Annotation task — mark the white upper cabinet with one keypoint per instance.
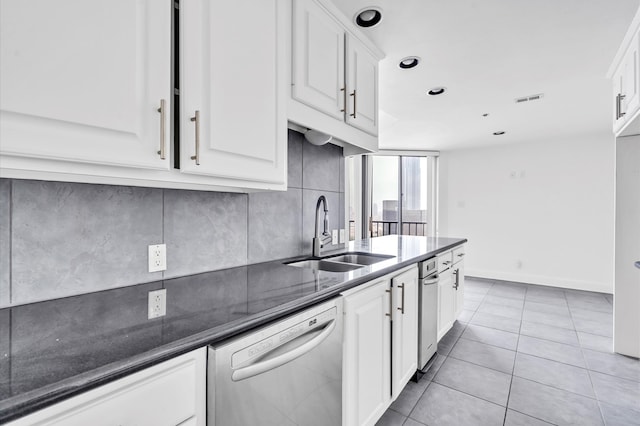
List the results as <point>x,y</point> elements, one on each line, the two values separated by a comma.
<point>318,66</point>
<point>87,92</point>
<point>233,78</point>
<point>625,76</point>
<point>334,77</point>
<point>362,81</point>
<point>82,81</point>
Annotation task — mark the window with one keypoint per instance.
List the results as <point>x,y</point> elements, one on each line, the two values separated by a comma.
<point>391,194</point>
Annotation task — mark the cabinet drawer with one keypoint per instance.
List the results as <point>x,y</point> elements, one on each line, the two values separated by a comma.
<point>445,260</point>
<point>168,394</point>
<point>458,254</point>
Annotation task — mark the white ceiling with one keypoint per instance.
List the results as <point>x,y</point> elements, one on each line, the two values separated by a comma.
<point>487,53</point>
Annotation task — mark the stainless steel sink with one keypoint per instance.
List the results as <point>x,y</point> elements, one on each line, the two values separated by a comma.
<point>360,258</point>
<point>325,265</point>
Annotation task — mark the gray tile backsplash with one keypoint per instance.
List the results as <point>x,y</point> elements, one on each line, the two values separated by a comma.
<point>296,141</point>
<point>69,238</point>
<point>204,231</point>
<point>275,225</point>
<point>5,246</point>
<point>321,167</point>
<point>62,239</point>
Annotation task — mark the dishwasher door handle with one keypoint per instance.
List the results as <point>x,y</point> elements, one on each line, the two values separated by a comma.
<point>270,364</point>
<point>431,281</point>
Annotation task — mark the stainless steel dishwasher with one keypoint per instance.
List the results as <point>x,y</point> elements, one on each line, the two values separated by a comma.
<point>427,313</point>
<point>286,373</point>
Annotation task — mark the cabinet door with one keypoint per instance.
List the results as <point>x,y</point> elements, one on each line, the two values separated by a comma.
<point>404,345</point>
<point>458,286</point>
<point>234,81</point>
<point>618,117</point>
<point>362,84</point>
<point>82,80</point>
<point>446,300</point>
<point>629,80</point>
<point>167,394</point>
<point>318,59</point>
<point>367,354</point>
<point>626,305</point>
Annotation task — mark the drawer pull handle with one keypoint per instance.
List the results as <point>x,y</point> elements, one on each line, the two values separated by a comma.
<point>344,99</point>
<point>197,122</point>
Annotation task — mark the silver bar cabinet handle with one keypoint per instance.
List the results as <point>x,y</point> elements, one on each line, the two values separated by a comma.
<point>344,99</point>
<point>354,103</point>
<point>162,111</point>
<point>619,113</point>
<point>390,303</point>
<point>197,121</point>
<point>401,308</point>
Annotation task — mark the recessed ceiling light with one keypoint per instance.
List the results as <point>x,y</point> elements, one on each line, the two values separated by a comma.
<point>368,17</point>
<point>486,114</point>
<point>409,62</point>
<point>437,91</point>
<point>499,133</point>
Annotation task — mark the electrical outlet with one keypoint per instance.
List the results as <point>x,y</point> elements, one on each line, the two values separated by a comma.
<point>157,303</point>
<point>334,236</point>
<point>157,257</point>
<point>342,236</point>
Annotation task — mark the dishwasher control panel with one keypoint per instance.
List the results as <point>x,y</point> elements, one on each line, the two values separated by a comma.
<point>280,337</point>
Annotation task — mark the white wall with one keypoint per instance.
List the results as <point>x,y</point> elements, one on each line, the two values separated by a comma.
<point>539,213</point>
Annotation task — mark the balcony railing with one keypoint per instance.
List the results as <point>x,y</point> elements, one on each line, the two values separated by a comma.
<point>384,227</point>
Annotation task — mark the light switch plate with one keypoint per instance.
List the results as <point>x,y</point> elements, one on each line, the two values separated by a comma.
<point>334,236</point>
<point>157,257</point>
<point>342,236</point>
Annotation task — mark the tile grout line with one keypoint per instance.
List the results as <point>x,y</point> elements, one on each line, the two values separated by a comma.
<point>515,358</point>
<point>473,396</point>
<point>10,242</point>
<point>584,359</point>
<point>162,231</point>
<point>533,417</point>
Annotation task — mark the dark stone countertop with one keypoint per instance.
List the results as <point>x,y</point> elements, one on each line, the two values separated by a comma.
<point>53,350</point>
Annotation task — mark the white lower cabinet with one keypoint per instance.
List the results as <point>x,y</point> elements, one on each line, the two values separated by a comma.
<point>404,326</point>
<point>367,354</point>
<point>446,303</point>
<point>450,288</point>
<point>168,394</point>
<point>370,380</point>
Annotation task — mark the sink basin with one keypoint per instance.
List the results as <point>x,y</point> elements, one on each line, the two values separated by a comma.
<point>324,265</point>
<point>360,258</point>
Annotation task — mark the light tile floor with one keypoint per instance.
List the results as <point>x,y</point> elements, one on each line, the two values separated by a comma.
<point>525,355</point>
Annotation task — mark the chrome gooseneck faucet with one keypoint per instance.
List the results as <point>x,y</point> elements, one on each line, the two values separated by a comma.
<point>325,238</point>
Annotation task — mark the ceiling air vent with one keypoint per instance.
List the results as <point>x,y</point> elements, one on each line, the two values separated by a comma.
<point>529,98</point>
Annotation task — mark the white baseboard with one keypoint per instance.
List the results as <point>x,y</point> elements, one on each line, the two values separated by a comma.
<point>542,280</point>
